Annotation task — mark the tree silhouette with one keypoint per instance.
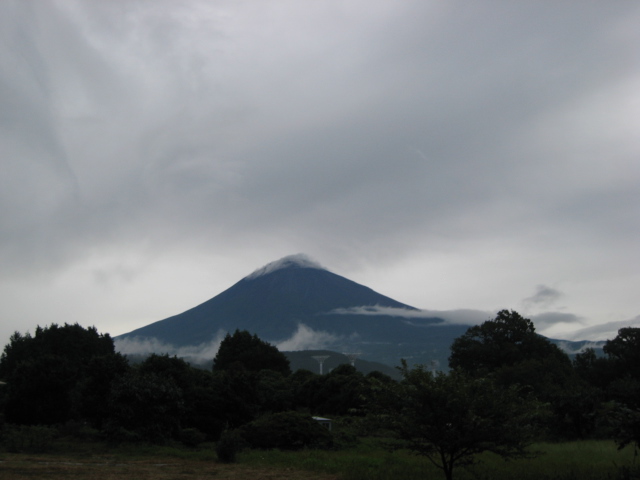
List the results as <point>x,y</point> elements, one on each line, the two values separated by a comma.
<point>450,418</point>
<point>243,351</point>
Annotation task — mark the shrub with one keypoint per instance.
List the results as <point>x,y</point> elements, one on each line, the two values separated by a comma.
<point>286,431</point>
<point>192,437</point>
<point>77,430</point>
<point>28,438</point>
<point>228,446</point>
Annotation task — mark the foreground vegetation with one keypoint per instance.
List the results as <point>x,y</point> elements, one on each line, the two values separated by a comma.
<point>588,460</point>
<point>508,390</point>
<point>367,460</point>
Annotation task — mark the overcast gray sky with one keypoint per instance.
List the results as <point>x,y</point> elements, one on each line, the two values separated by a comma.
<point>455,156</point>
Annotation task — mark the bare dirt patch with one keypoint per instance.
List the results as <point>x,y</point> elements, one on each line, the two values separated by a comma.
<point>21,467</point>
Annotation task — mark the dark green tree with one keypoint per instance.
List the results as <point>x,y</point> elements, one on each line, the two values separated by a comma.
<point>203,395</point>
<point>73,342</point>
<point>275,392</point>
<point>450,418</point>
<point>46,372</point>
<point>94,389</point>
<point>249,378</point>
<point>144,407</point>
<point>243,351</point>
<point>286,431</point>
<point>340,392</point>
<point>596,370</point>
<point>626,426</point>
<point>507,340</point>
<point>624,352</point>
<point>236,397</point>
<point>200,405</point>
<point>174,368</point>
<point>623,361</point>
<point>39,391</point>
<point>510,352</point>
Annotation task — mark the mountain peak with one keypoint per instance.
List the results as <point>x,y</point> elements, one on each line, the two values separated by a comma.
<point>291,261</point>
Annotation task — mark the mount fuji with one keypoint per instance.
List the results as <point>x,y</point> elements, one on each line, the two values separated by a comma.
<point>306,310</point>
<point>297,304</point>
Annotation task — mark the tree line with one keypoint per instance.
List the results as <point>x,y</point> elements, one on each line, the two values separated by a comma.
<point>506,387</point>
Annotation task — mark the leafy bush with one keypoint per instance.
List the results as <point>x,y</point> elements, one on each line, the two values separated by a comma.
<point>192,437</point>
<point>144,407</point>
<point>77,430</point>
<point>115,434</point>
<point>228,446</point>
<point>28,438</point>
<point>286,431</point>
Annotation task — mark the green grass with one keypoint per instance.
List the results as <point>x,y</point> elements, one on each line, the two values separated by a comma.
<point>592,459</point>
<point>585,460</point>
<point>366,460</point>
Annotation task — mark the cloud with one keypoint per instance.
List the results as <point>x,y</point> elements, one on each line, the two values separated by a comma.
<point>301,260</point>
<point>484,146</point>
<point>604,331</point>
<point>557,324</point>
<point>463,316</point>
<point>549,319</point>
<point>572,349</point>
<point>201,353</point>
<point>543,298</point>
<point>305,338</point>
<point>458,317</point>
<point>378,310</point>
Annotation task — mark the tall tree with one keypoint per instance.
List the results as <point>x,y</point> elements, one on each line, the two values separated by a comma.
<point>144,406</point>
<point>196,388</point>
<point>340,392</point>
<point>45,372</point>
<point>244,351</point>
<point>94,389</point>
<point>509,351</point>
<point>624,352</point>
<point>623,387</point>
<point>505,341</point>
<point>450,418</point>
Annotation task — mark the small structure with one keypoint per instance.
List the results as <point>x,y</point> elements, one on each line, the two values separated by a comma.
<point>320,359</point>
<point>325,422</point>
<point>352,357</point>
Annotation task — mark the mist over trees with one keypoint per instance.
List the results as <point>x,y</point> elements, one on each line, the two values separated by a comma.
<point>506,386</point>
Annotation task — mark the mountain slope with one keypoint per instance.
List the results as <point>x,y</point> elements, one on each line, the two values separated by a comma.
<point>274,301</point>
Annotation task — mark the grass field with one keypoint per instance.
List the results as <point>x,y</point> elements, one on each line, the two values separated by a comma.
<point>587,460</point>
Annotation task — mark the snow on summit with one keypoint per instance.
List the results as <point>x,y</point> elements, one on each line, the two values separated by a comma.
<point>300,260</point>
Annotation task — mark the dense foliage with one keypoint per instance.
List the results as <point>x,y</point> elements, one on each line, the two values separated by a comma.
<point>451,418</point>
<point>616,379</point>
<point>286,431</point>
<point>49,374</point>
<point>504,342</point>
<point>506,386</point>
<point>243,351</point>
<point>508,350</point>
